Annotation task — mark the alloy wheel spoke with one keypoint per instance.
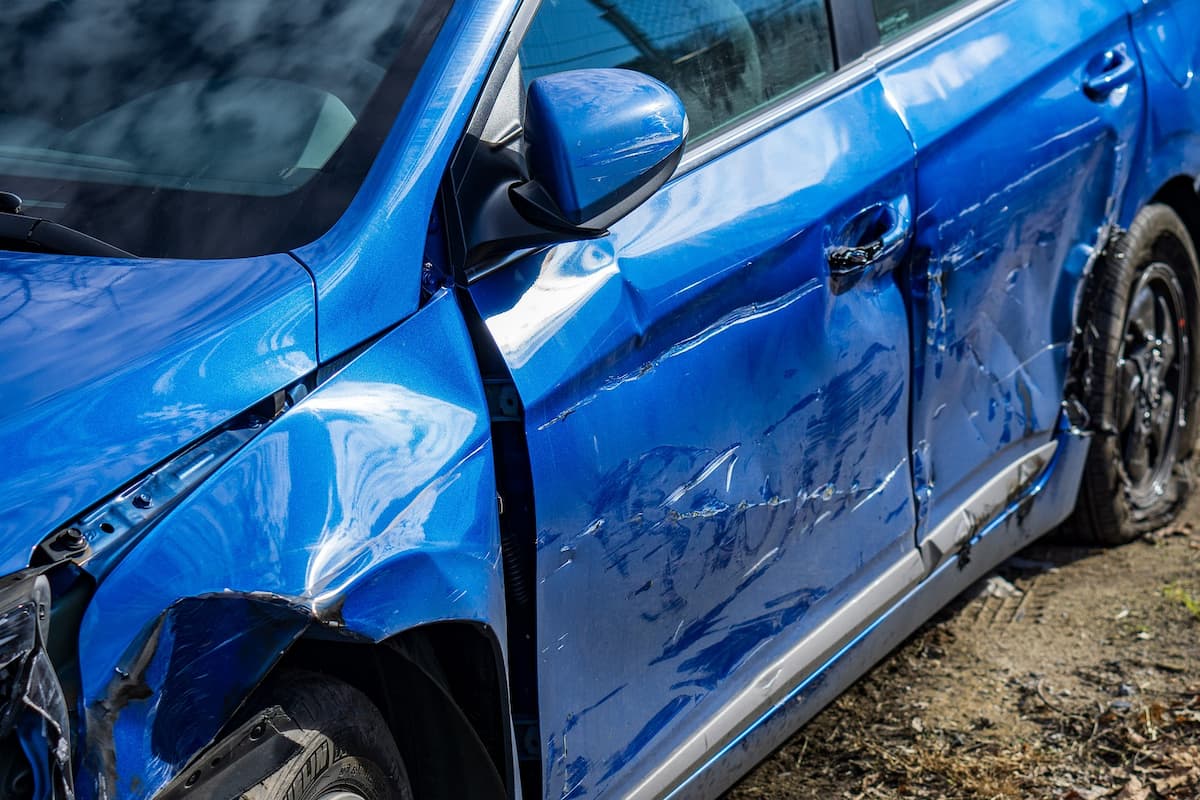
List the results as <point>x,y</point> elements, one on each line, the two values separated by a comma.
<point>1150,374</point>
<point>1130,380</point>
<point>1167,349</point>
<point>1163,420</point>
<point>1136,454</point>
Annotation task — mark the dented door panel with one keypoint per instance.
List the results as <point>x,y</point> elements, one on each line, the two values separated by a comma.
<point>718,440</point>
<point>733,450</point>
<point>1024,147</point>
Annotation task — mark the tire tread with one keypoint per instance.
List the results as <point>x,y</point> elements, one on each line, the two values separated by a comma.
<point>1102,516</point>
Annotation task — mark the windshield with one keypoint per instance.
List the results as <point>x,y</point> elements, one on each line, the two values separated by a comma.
<point>202,128</point>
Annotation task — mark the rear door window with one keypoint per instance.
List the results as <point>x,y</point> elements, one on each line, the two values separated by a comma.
<point>897,17</point>
<point>724,58</point>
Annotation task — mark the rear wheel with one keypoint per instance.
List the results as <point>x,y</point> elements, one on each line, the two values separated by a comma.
<point>346,749</point>
<point>1139,384</point>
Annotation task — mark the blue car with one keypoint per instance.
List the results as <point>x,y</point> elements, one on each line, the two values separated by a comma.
<point>562,399</point>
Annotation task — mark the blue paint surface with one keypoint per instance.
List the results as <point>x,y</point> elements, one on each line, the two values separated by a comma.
<point>1018,173</point>
<point>1168,40</point>
<point>725,447</point>
<point>368,508</point>
<point>1047,504</point>
<point>368,267</point>
<point>712,469</point>
<point>111,366</point>
<point>591,134</point>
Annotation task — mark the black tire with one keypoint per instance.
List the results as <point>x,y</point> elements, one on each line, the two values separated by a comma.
<point>1138,381</point>
<point>345,744</point>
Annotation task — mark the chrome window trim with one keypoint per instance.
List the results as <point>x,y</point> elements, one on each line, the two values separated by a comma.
<point>837,82</point>
<point>775,114</point>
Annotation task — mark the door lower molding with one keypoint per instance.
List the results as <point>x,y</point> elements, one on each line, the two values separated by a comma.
<point>777,685</point>
<point>967,521</point>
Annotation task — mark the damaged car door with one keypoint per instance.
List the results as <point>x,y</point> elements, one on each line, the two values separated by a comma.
<point>715,394</point>
<point>1023,116</point>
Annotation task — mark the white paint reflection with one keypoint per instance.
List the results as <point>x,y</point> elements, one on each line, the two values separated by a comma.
<point>952,70</point>
<point>388,443</point>
<point>769,175</point>
<point>568,278</point>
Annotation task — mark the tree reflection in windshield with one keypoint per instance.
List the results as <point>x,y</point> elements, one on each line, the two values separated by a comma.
<point>241,97</point>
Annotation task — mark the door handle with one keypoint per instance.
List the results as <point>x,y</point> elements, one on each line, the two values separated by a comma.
<point>1109,72</point>
<point>870,238</point>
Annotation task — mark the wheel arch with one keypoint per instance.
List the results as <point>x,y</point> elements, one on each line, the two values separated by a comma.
<point>364,513</point>
<point>1108,512</point>
<point>440,687</point>
<point>1180,193</point>
<point>443,690</point>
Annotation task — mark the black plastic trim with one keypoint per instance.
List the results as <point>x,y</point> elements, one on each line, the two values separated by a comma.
<point>239,761</point>
<point>41,235</point>
<point>854,29</point>
<point>495,162</point>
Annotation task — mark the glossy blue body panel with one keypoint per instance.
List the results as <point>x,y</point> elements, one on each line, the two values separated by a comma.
<point>368,267</point>
<point>727,445</point>
<point>369,508</point>
<point>711,468</point>
<point>1048,504</point>
<point>1168,37</point>
<point>1168,29</point>
<point>1019,171</point>
<point>579,126</point>
<point>111,366</point>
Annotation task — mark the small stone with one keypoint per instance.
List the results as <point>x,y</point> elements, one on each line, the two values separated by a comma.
<point>996,586</point>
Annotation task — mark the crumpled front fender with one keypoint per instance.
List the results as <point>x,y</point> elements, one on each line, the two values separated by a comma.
<point>367,509</point>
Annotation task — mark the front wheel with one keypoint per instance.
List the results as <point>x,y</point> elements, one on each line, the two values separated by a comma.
<point>1139,382</point>
<point>346,750</point>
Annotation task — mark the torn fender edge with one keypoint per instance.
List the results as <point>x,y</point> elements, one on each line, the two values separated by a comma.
<point>184,682</point>
<point>1081,359</point>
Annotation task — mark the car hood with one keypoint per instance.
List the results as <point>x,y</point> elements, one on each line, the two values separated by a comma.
<point>111,366</point>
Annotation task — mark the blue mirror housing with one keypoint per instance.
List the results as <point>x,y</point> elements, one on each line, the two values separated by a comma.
<point>598,143</point>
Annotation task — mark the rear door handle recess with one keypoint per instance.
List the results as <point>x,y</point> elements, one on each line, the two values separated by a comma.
<point>1108,72</point>
<point>872,237</point>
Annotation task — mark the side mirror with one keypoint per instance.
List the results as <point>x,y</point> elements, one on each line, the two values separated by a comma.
<point>598,143</point>
<point>563,161</point>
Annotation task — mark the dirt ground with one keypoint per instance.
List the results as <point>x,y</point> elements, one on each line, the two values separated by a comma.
<point>1070,674</point>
